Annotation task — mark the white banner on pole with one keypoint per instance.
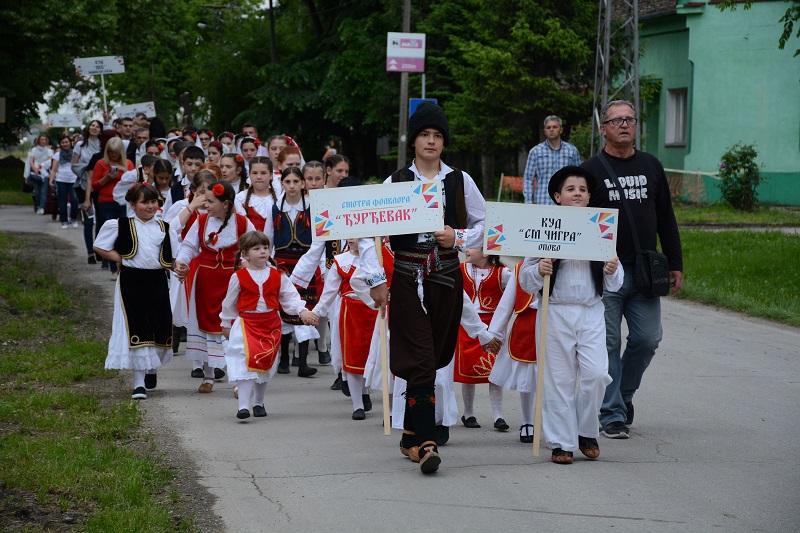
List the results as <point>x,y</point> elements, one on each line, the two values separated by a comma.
<point>557,232</point>
<point>91,66</point>
<point>405,52</point>
<point>377,210</point>
<point>64,121</point>
<point>148,108</point>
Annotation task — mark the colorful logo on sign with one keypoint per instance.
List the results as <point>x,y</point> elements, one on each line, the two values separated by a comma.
<point>604,222</point>
<point>495,238</point>
<point>428,191</point>
<point>323,224</point>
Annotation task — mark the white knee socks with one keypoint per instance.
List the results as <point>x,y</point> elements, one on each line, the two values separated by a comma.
<point>356,384</point>
<point>138,379</point>
<point>496,397</point>
<point>526,404</point>
<point>258,398</point>
<point>245,390</point>
<point>468,395</point>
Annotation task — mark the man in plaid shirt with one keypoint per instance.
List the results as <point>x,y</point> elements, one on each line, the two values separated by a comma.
<point>544,160</point>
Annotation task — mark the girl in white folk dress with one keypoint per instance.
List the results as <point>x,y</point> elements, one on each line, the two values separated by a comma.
<point>141,333</point>
<point>252,324</point>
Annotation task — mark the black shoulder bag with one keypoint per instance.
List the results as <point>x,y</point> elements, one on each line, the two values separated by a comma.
<point>651,270</point>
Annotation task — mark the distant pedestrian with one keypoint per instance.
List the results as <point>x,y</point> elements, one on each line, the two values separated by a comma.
<point>544,160</point>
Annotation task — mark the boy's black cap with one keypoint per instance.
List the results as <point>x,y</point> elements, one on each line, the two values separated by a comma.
<point>570,170</point>
<point>428,115</point>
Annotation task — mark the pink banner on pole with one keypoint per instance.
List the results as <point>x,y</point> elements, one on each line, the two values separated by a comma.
<point>405,64</point>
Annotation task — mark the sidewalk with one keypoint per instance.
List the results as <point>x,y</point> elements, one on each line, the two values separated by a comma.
<point>713,445</point>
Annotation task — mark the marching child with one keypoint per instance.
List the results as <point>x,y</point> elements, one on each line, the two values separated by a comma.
<point>141,333</point>
<point>256,202</point>
<point>251,321</point>
<point>291,226</point>
<point>352,319</point>
<point>213,238</point>
<point>515,365</point>
<point>576,341</point>
<point>485,279</point>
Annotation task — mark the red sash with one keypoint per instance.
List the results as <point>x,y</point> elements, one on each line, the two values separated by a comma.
<point>262,339</point>
<point>473,365</point>
<point>257,220</point>
<point>356,321</point>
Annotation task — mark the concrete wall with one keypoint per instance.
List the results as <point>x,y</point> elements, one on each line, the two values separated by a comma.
<point>742,88</point>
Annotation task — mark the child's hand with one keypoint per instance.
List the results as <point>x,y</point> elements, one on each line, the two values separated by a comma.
<point>545,267</point>
<point>493,346</point>
<point>181,270</point>
<point>197,202</point>
<point>610,266</point>
<point>309,318</point>
<point>226,332</point>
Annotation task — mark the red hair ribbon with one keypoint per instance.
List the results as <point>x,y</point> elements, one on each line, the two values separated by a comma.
<point>257,143</point>
<point>218,190</point>
<point>160,147</point>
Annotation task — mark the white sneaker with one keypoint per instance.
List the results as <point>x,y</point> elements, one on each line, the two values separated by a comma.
<point>64,225</point>
<point>40,211</point>
<point>74,223</point>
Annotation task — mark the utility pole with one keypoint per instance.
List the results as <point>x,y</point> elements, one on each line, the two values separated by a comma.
<point>402,129</point>
<point>625,33</point>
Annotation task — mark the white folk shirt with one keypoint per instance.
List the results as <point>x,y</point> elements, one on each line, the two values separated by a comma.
<point>190,247</point>
<point>573,283</point>
<point>150,238</point>
<point>288,297</point>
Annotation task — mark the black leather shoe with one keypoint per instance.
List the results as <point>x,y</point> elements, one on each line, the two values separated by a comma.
<point>442,435</point>
<point>358,414</point>
<point>324,358</point>
<point>470,422</point>
<point>259,411</point>
<point>139,394</point>
<point>219,373</point>
<point>242,414</point>
<point>500,425</point>
<point>337,384</point>
<point>527,439</point>
<point>150,381</point>
<point>198,373</point>
<point>345,388</point>
<point>367,402</point>
<point>306,372</point>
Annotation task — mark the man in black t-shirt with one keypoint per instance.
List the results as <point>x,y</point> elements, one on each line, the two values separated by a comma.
<point>645,186</point>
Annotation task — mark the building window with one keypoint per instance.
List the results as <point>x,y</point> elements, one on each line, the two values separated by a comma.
<point>676,117</point>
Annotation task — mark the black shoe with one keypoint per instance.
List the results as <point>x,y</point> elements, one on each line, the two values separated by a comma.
<point>150,381</point>
<point>324,358</point>
<point>198,373</point>
<point>629,417</point>
<point>470,422</point>
<point>500,425</point>
<point>358,414</point>
<point>615,430</point>
<point>176,340</point>
<point>259,411</point>
<point>367,402</point>
<point>306,372</point>
<point>345,388</point>
<point>337,384</point>
<point>92,260</point>
<point>295,361</point>
<point>527,439</point>
<point>284,369</point>
<point>442,435</point>
<point>219,373</point>
<point>139,394</point>
<point>242,414</point>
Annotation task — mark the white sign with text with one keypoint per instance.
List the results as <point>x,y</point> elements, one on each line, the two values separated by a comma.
<point>92,66</point>
<point>525,230</point>
<point>64,121</point>
<point>148,108</point>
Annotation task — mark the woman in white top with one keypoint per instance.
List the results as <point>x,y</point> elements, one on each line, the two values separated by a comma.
<point>39,156</point>
<point>62,177</point>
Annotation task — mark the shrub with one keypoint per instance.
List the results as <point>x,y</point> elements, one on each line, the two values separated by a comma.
<point>740,177</point>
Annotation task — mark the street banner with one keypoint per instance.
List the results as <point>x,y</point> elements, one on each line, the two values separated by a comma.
<point>64,121</point>
<point>405,52</point>
<point>148,108</point>
<point>377,210</point>
<point>92,66</point>
<point>525,230</point>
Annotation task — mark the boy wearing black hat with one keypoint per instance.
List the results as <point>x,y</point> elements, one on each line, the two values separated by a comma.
<point>427,286</point>
<point>576,336</point>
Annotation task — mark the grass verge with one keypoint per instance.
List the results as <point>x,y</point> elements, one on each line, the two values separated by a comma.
<point>71,444</point>
<point>751,272</point>
<point>720,213</point>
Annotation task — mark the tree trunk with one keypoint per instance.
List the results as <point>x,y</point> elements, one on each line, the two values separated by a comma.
<point>315,17</point>
<point>487,174</point>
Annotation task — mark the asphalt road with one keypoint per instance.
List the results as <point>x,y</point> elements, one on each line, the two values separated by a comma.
<point>712,446</point>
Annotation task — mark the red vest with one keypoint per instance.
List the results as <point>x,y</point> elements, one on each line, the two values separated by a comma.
<point>249,293</point>
<point>488,292</point>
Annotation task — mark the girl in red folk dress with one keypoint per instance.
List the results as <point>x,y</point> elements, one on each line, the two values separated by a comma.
<point>256,202</point>
<point>515,366</point>
<point>213,239</point>
<point>485,278</point>
<point>291,226</point>
<point>252,324</point>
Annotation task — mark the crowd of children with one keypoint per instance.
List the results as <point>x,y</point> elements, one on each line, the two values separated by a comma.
<point>219,232</point>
